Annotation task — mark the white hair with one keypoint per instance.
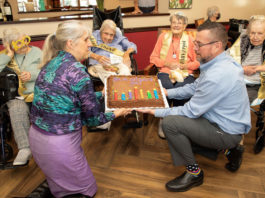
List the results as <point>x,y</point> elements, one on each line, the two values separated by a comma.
<point>212,10</point>
<point>11,34</point>
<point>179,16</point>
<point>108,24</point>
<point>255,19</point>
<point>67,30</point>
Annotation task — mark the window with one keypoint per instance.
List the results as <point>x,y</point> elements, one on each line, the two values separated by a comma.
<point>28,5</point>
<point>33,5</point>
<point>74,3</point>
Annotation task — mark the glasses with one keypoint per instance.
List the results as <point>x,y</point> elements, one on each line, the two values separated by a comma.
<point>20,43</point>
<point>199,44</point>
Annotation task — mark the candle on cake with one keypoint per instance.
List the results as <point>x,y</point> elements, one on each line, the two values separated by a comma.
<point>115,95</point>
<point>135,93</point>
<point>130,94</point>
<point>141,93</point>
<point>155,93</point>
<point>149,96</point>
<point>123,97</point>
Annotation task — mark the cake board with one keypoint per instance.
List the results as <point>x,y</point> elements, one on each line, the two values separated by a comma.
<point>135,108</point>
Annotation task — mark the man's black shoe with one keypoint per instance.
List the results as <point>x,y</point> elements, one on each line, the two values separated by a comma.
<point>185,182</point>
<point>235,158</point>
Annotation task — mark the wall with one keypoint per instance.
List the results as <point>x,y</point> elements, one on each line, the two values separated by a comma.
<point>229,8</point>
<point>240,9</point>
<point>17,15</point>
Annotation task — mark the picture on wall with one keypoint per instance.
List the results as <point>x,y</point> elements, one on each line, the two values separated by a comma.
<point>180,4</point>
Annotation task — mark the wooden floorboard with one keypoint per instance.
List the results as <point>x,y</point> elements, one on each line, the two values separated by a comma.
<point>136,163</point>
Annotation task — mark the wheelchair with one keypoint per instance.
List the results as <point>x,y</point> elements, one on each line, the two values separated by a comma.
<point>115,15</point>
<point>260,132</point>
<point>8,91</point>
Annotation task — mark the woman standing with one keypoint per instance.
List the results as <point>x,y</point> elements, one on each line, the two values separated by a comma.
<point>64,102</point>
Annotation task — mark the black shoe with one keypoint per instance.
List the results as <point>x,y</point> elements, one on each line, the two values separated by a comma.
<point>235,158</point>
<point>41,191</point>
<point>76,196</point>
<point>185,182</point>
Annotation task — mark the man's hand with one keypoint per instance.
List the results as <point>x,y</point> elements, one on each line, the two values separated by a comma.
<point>165,91</point>
<point>25,76</point>
<point>149,111</point>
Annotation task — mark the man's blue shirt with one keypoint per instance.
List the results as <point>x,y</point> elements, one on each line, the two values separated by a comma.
<point>219,95</point>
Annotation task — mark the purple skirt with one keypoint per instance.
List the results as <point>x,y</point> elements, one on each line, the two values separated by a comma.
<point>63,162</point>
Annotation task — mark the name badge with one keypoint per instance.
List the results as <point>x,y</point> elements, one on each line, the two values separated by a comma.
<point>174,56</point>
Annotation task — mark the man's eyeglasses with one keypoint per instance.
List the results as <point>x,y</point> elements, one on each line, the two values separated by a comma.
<point>199,44</point>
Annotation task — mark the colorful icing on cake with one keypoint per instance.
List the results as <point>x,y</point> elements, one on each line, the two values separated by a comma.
<point>134,92</point>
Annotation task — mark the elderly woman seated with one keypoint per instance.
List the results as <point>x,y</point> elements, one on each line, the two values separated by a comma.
<point>174,51</point>
<point>24,60</point>
<point>110,52</point>
<point>249,51</point>
<point>175,58</point>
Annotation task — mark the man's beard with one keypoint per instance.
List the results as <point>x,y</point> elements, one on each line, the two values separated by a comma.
<point>203,60</point>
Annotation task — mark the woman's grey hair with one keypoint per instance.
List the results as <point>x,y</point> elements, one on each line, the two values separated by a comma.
<point>179,16</point>
<point>108,24</point>
<point>212,10</point>
<point>11,34</point>
<point>67,30</point>
<point>255,19</point>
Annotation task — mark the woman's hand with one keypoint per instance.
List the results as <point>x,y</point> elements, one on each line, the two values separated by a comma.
<point>9,51</point>
<point>149,111</point>
<point>103,92</point>
<point>25,76</point>
<point>103,60</point>
<point>183,66</point>
<point>260,68</point>
<point>249,70</point>
<point>111,68</point>
<point>122,112</point>
<point>172,65</point>
<point>126,60</point>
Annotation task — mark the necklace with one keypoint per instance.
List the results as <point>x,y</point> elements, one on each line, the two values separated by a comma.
<point>21,63</point>
<point>174,49</point>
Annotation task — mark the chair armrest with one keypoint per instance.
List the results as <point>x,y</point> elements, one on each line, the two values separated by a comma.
<point>133,63</point>
<point>150,69</point>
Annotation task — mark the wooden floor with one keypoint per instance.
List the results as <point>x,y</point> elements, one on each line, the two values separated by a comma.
<point>135,163</point>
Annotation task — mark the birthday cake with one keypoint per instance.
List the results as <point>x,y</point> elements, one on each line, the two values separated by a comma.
<point>134,92</point>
